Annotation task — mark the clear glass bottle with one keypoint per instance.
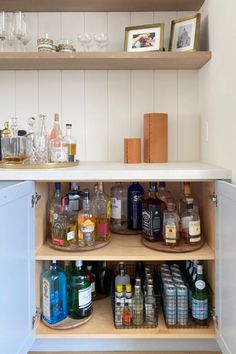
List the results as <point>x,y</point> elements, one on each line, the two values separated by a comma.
<point>186,193</point>
<point>118,220</point>
<point>200,299</point>
<point>80,297</point>
<point>54,205</point>
<point>30,141</point>
<point>57,145</point>
<point>163,194</point>
<point>86,223</point>
<point>119,305</point>
<point>137,306</point>
<point>126,317</point>
<point>152,215</point>
<point>150,306</point>
<point>135,198</point>
<point>53,294</point>
<point>56,129</point>
<point>75,197</point>
<point>101,211</point>
<point>71,143</point>
<point>129,298</point>
<point>170,225</point>
<point>42,142</point>
<point>190,223</point>
<point>13,146</point>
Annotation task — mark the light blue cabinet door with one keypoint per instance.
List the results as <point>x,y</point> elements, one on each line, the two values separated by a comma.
<point>17,290</point>
<point>226,266</point>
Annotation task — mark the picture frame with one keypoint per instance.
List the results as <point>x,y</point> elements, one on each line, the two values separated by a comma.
<point>144,38</point>
<point>184,34</point>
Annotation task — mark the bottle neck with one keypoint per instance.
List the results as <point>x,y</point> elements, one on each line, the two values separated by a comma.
<point>86,203</point>
<point>152,195</point>
<point>68,131</point>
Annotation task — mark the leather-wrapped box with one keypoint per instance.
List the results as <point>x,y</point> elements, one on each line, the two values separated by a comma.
<point>132,150</point>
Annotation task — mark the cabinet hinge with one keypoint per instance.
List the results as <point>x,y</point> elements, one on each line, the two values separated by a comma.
<point>36,318</point>
<point>213,198</point>
<point>214,316</point>
<point>35,199</point>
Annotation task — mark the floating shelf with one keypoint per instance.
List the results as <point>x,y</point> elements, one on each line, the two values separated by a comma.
<point>101,326</point>
<point>100,6</point>
<point>123,248</point>
<point>104,60</point>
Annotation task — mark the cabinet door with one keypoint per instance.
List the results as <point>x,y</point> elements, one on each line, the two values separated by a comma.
<point>226,266</point>
<point>17,294</point>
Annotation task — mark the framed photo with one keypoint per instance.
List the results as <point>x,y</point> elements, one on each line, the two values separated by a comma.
<point>184,34</point>
<point>144,38</point>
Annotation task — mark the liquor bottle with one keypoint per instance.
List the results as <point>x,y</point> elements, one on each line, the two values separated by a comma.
<point>162,193</point>
<point>67,267</point>
<point>80,298</point>
<point>135,197</point>
<point>140,272</point>
<point>56,129</point>
<point>70,142</point>
<point>58,149</point>
<point>137,306</point>
<point>86,223</point>
<point>75,197</point>
<point>92,280</point>
<point>54,205</point>
<point>152,215</point>
<point>122,277</point>
<point>150,306</point>
<point>118,208</point>
<point>200,298</point>
<point>129,298</point>
<point>53,294</point>
<point>186,193</point>
<point>190,223</point>
<point>104,277</point>
<point>170,225</point>
<point>126,317</point>
<point>101,211</point>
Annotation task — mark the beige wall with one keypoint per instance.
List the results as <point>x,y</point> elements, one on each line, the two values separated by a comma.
<point>217,84</point>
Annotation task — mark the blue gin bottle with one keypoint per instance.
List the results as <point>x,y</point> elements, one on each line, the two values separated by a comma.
<point>135,197</point>
<point>54,294</point>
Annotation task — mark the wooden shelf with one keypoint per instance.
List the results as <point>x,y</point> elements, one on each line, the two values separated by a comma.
<point>123,248</point>
<point>96,5</point>
<point>103,60</point>
<point>103,316</point>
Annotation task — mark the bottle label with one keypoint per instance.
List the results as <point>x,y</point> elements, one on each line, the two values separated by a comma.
<point>59,154</point>
<point>85,297</point>
<point>93,287</point>
<point>194,228</point>
<point>58,241</point>
<point>46,299</point>
<point>185,222</point>
<point>73,204</point>
<point>115,208</point>
<point>102,229</point>
<point>195,239</point>
<point>70,235</point>
<point>151,221</point>
<point>86,230</point>
<point>200,284</point>
<point>200,309</point>
<point>170,233</point>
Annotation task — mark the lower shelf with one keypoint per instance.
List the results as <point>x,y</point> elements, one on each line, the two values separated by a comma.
<point>101,326</point>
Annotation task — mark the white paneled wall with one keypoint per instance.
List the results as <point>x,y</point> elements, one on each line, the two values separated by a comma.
<point>104,106</point>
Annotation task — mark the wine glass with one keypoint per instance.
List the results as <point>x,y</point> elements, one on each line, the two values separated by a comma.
<point>19,27</point>
<point>86,40</point>
<point>25,40</point>
<point>3,28</point>
<point>101,40</point>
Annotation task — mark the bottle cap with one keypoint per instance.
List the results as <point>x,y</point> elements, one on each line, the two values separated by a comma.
<point>89,267</point>
<point>54,261</point>
<point>78,263</point>
<point>56,117</point>
<point>152,186</point>
<point>199,269</point>
<point>58,186</point>
<point>128,288</point>
<point>100,186</point>
<point>69,125</point>
<point>74,186</point>
<point>119,288</point>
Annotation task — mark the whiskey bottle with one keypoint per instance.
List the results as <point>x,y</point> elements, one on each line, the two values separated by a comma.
<point>162,193</point>
<point>101,211</point>
<point>118,208</point>
<point>75,198</point>
<point>152,215</point>
<point>86,223</point>
<point>70,142</point>
<point>80,298</point>
<point>200,298</point>
<point>190,223</point>
<point>53,294</point>
<point>170,225</point>
<point>135,198</point>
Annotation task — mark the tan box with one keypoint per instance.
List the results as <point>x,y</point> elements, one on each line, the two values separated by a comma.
<point>132,150</point>
<point>155,137</point>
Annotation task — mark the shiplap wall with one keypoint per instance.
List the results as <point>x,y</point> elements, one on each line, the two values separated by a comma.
<point>104,106</point>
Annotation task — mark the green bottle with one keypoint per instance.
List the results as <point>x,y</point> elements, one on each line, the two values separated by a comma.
<point>200,298</point>
<point>80,296</point>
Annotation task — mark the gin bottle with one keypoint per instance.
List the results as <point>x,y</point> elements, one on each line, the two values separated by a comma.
<point>200,298</point>
<point>54,294</point>
<point>118,208</point>
<point>135,197</point>
<point>86,223</point>
<point>137,306</point>
<point>101,209</point>
<point>150,306</point>
<point>80,298</point>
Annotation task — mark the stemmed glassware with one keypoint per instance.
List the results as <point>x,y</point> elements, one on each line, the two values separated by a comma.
<point>3,28</point>
<point>101,40</point>
<point>86,40</point>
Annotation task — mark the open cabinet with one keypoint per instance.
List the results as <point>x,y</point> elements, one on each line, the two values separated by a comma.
<point>23,251</point>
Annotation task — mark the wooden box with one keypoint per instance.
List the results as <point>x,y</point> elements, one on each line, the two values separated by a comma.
<point>132,150</point>
<point>155,137</point>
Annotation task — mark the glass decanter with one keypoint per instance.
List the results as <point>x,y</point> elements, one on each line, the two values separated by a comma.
<point>42,142</point>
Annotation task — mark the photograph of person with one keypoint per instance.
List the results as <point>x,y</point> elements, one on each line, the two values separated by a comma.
<point>184,36</point>
<point>143,40</point>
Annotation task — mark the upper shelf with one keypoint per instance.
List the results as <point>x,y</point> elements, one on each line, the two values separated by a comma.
<point>118,171</point>
<point>103,60</point>
<point>100,6</point>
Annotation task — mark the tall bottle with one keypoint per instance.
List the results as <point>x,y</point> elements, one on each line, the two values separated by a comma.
<point>92,280</point>
<point>200,298</point>
<point>80,298</point>
<point>42,142</point>
<point>86,223</point>
<point>137,306</point>
<point>118,208</point>
<point>152,215</point>
<point>150,306</point>
<point>101,209</point>
<point>171,225</point>
<point>122,278</point>
<point>53,294</point>
<point>56,129</point>
<point>191,281</point>
<point>135,198</point>
<point>58,146</point>
<point>163,194</point>
<point>70,142</point>
<point>75,198</point>
<point>54,205</point>
<point>190,223</point>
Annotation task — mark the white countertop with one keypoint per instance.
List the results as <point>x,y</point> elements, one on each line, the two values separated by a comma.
<point>118,171</point>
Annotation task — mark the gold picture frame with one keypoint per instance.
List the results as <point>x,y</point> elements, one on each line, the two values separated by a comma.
<point>144,38</point>
<point>184,34</point>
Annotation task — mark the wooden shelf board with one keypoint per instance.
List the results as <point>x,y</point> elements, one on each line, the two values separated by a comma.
<point>103,316</point>
<point>123,248</point>
<point>96,6</point>
<point>103,60</point>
